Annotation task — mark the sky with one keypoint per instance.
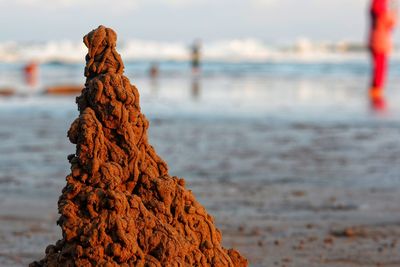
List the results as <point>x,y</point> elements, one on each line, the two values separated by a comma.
<point>184,20</point>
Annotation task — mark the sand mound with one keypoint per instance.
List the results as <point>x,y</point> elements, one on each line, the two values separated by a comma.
<point>120,207</point>
<point>63,90</point>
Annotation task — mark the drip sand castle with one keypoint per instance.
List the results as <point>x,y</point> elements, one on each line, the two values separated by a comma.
<point>120,207</point>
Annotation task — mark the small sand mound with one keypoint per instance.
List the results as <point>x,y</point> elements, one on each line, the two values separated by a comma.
<point>63,90</point>
<point>120,207</point>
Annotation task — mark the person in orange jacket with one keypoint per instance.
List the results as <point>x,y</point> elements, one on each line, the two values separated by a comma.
<point>383,20</point>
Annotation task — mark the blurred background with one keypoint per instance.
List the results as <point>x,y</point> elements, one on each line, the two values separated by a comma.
<point>262,105</point>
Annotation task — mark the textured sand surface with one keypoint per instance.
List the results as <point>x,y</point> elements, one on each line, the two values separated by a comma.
<point>287,205</point>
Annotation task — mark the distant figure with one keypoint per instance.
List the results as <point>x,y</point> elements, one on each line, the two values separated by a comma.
<point>195,56</point>
<point>154,71</point>
<point>31,71</point>
<point>383,20</point>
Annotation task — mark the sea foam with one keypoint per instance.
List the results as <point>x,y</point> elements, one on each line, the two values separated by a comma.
<point>249,49</point>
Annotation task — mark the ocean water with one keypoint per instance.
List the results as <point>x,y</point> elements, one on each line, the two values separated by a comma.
<point>300,91</point>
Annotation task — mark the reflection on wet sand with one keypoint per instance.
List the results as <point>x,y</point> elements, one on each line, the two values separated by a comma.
<point>378,105</point>
<point>195,87</point>
<point>154,86</point>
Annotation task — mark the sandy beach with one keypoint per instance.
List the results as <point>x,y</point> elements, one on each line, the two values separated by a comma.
<point>322,192</point>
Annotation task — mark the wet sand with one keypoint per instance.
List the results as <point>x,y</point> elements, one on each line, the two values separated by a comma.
<point>284,194</point>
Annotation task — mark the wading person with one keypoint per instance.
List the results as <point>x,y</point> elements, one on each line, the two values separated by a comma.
<point>383,19</point>
<point>195,56</point>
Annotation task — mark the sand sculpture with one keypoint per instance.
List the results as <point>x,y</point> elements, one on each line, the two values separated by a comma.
<point>120,207</point>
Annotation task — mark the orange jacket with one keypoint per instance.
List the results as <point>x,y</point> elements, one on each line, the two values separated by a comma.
<point>380,37</point>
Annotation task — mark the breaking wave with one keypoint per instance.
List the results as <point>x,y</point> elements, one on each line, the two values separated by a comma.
<point>224,50</point>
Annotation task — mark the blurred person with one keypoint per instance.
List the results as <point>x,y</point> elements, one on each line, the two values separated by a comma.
<point>383,19</point>
<point>154,71</point>
<point>31,71</point>
<point>196,56</point>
